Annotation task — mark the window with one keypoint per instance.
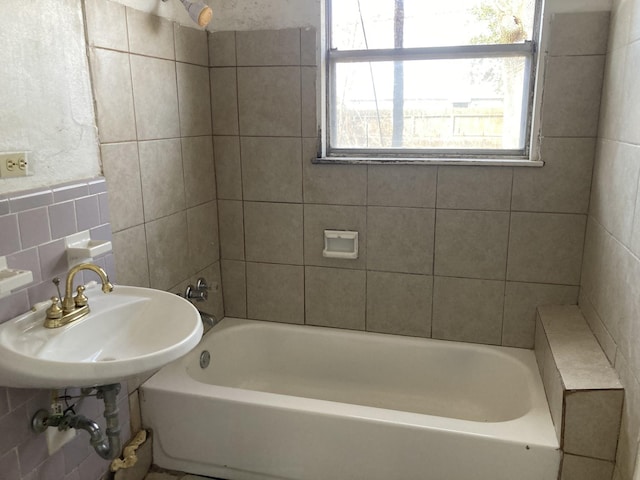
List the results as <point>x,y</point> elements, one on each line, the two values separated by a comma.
<point>430,79</point>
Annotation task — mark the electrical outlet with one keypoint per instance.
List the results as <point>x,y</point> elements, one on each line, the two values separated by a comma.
<point>14,165</point>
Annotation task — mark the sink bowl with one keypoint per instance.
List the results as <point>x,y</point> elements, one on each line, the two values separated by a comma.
<point>130,332</point>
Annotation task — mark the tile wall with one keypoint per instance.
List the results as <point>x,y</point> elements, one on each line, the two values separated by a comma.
<point>611,270</point>
<point>450,252</point>
<point>151,85</point>
<point>33,225</point>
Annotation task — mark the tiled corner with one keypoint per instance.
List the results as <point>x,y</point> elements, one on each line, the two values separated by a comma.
<point>154,78</point>
<point>228,169</point>
<point>191,45</point>
<point>194,100</point>
<point>235,288</point>
<point>546,248</point>
<point>222,49</point>
<point>199,172</point>
<point>231,217</point>
<point>583,468</point>
<point>224,100</point>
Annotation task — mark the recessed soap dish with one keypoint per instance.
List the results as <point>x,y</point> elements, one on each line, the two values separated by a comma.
<point>12,278</point>
<point>81,248</point>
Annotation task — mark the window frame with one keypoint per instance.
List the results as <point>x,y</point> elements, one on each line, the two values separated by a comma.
<point>528,50</point>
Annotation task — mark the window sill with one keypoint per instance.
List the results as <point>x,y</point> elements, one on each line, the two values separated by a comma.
<point>483,162</point>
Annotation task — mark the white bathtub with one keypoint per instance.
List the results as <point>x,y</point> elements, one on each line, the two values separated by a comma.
<point>296,402</point>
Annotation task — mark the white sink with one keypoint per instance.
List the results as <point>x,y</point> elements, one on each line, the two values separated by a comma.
<point>130,332</point>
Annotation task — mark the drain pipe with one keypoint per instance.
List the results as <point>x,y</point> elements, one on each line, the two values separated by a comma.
<point>109,447</point>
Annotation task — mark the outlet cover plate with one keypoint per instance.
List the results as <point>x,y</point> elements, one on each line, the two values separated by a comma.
<point>14,165</point>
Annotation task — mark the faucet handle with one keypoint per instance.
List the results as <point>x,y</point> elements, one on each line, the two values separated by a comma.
<point>80,299</point>
<point>54,312</point>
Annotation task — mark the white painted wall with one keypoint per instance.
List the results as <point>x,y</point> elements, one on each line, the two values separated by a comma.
<point>46,105</point>
<point>240,14</point>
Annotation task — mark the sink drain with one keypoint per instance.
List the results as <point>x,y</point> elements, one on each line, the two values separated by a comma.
<point>205,358</point>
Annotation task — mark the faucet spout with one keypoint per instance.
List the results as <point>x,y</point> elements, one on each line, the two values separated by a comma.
<point>73,308</point>
<point>68,303</point>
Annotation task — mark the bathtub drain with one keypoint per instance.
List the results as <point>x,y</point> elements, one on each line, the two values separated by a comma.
<point>205,358</point>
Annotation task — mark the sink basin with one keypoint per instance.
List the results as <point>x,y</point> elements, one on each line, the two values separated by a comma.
<point>130,332</point>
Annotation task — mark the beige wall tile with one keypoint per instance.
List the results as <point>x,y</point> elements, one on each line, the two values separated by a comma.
<point>474,188</point>
<point>467,310</point>
<point>204,247</point>
<point>222,49</point>
<point>191,45</point>
<point>471,244</point>
<point>521,300</point>
<point>598,328</point>
<point>571,102</point>
<point>231,219</point>
<point>199,173</point>
<point>583,468</point>
<point>308,47</point>
<point>228,167</point>
<point>554,391</point>
<point>106,24</point>
<point>333,184</point>
<point>613,95</point>
<point>273,232</point>
<point>234,288</point>
<point>630,117</point>
<point>620,25</point>
<point>150,35</point>
<point>224,101</point>
<point>399,304</point>
<point>271,169</point>
<point>615,187</point>
<point>335,297</point>
<point>582,33</point>
<point>268,47</point>
<point>630,426</point>
<point>113,92</point>
<point>546,248</point>
<point>592,423</point>
<point>269,101</point>
<point>122,172</point>
<point>275,292</point>
<point>400,239</point>
<point>130,252</point>
<point>402,185</point>
<point>162,178</point>
<point>318,218</point>
<point>155,79</point>
<point>308,100</point>
<point>563,185</point>
<point>168,257</point>
<point>194,103</point>
<point>541,345</point>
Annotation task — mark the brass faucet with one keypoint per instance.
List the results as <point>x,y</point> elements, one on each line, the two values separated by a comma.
<point>74,308</point>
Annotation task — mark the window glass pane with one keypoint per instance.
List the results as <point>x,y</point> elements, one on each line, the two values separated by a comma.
<point>369,24</point>
<point>443,104</point>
